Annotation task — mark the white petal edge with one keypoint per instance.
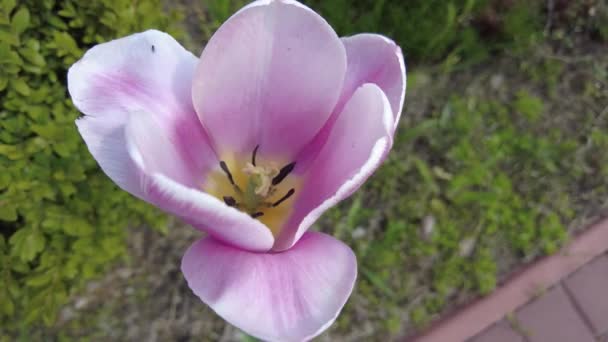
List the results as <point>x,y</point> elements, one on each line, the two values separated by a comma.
<point>377,155</point>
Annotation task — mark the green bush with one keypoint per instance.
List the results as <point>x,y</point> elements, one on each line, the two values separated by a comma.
<point>457,31</point>
<point>61,220</point>
<point>473,188</point>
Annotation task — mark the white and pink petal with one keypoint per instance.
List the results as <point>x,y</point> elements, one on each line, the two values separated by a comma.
<point>358,142</point>
<point>373,58</point>
<point>142,129</point>
<point>289,296</point>
<point>270,76</point>
<point>145,74</point>
<point>155,158</point>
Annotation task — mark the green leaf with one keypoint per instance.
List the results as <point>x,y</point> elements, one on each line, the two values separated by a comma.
<point>7,306</point>
<point>57,22</point>
<point>21,86</point>
<point>12,152</point>
<point>7,212</point>
<point>49,131</point>
<point>77,227</point>
<point>32,56</point>
<point>41,279</point>
<point>20,21</point>
<point>66,43</point>
<point>9,37</point>
<point>27,243</point>
<point>7,6</point>
<point>3,81</point>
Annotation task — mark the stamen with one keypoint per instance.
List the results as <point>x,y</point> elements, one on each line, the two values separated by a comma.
<point>258,214</point>
<point>230,201</point>
<point>284,172</point>
<point>227,172</point>
<point>255,151</point>
<point>284,198</point>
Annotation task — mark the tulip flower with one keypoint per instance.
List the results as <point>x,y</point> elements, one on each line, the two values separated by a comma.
<point>276,122</point>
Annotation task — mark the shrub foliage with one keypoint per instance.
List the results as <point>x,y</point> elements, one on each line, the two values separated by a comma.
<point>61,220</point>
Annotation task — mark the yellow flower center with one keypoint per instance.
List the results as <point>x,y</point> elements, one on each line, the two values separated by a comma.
<point>261,177</point>
<point>257,187</point>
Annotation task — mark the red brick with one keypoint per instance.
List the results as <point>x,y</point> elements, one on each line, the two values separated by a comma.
<point>589,288</point>
<point>499,332</point>
<point>553,318</point>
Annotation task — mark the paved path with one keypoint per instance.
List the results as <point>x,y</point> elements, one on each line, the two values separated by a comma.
<point>561,298</point>
<point>575,310</point>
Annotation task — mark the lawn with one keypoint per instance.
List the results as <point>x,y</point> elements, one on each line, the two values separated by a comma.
<point>500,158</point>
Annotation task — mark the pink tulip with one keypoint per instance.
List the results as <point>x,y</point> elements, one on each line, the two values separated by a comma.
<point>278,121</point>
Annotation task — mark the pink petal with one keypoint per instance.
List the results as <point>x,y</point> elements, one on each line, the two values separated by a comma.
<point>371,58</point>
<point>147,74</point>
<point>105,138</point>
<point>270,75</point>
<point>357,144</point>
<point>154,157</point>
<point>375,59</point>
<point>289,296</point>
<point>141,128</point>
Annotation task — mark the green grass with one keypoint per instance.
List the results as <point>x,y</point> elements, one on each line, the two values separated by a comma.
<point>484,181</point>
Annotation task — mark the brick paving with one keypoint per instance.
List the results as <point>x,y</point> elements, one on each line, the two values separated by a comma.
<point>558,298</point>
<point>589,288</point>
<point>574,310</point>
<point>502,331</point>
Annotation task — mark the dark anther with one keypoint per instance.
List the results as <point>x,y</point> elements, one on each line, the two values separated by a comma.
<point>255,151</point>
<point>284,172</point>
<point>230,201</point>
<point>258,214</point>
<point>284,198</point>
<point>153,48</point>
<point>225,169</point>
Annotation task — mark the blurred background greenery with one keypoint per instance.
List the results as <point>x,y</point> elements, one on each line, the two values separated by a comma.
<point>500,158</point>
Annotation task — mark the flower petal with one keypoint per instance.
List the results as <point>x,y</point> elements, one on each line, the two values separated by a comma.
<point>210,215</point>
<point>357,144</point>
<point>143,131</point>
<point>375,59</point>
<point>105,138</point>
<point>150,74</point>
<point>270,75</point>
<point>371,58</point>
<point>154,156</point>
<point>289,296</point>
